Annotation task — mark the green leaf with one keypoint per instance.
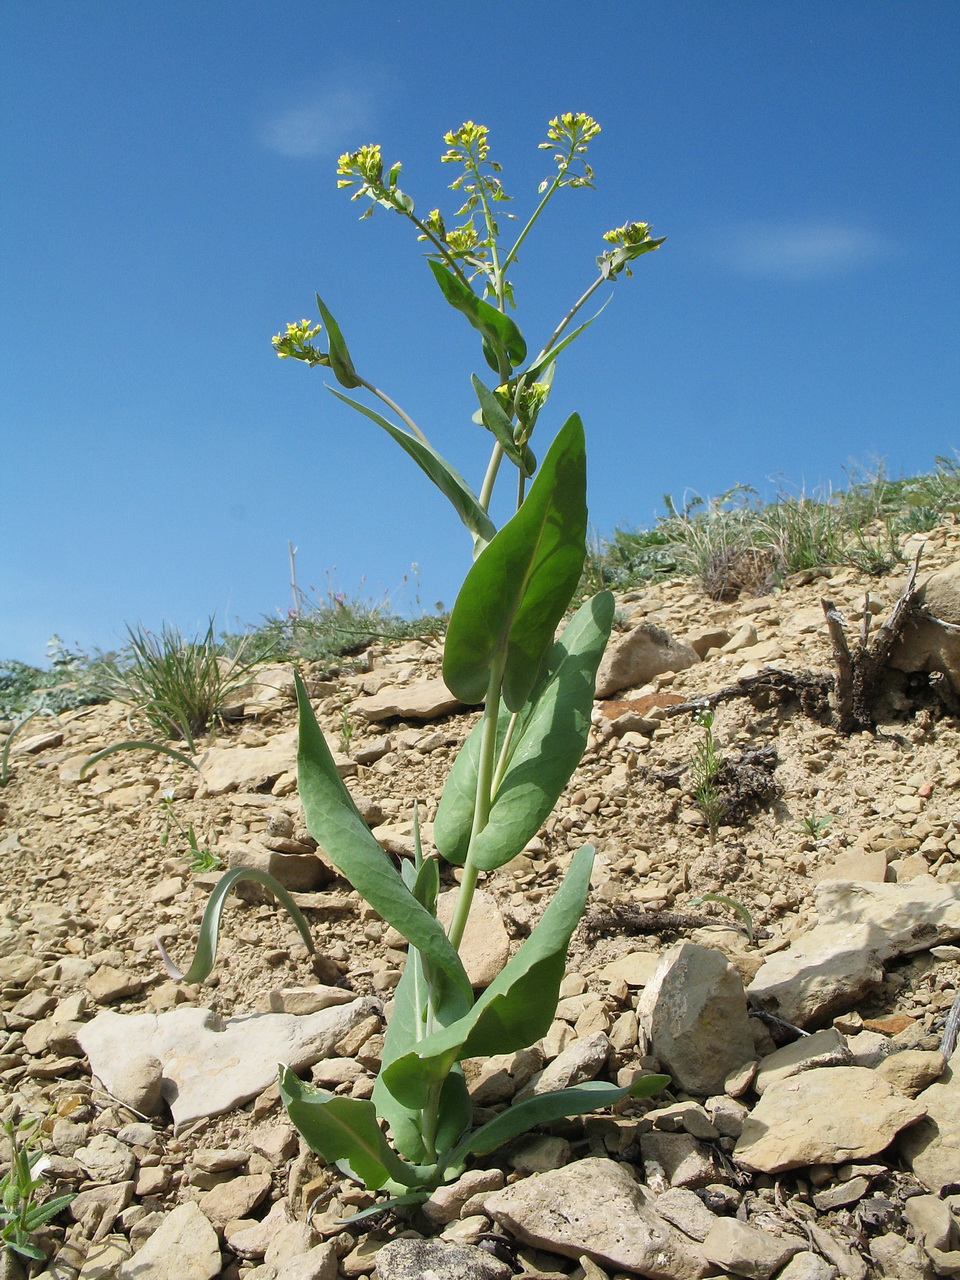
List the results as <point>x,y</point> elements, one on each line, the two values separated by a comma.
<point>345,1132</point>
<point>340,361</point>
<point>452,485</point>
<point>495,419</point>
<point>518,587</point>
<point>517,1007</point>
<point>548,740</point>
<point>205,955</point>
<point>547,1107</point>
<point>335,823</point>
<point>499,332</point>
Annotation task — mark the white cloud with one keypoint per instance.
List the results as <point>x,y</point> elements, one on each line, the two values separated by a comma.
<point>800,250</point>
<point>325,124</point>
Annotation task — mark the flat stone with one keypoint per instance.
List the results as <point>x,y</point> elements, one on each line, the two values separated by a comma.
<point>582,1060</point>
<point>635,968</point>
<point>106,1159</point>
<point>211,1065</point>
<point>485,947</point>
<point>635,658</point>
<point>842,1194</point>
<point>855,864</point>
<point>239,768</point>
<point>439,1260</point>
<point>747,1251</point>
<point>425,700</point>
<point>825,1116</point>
<point>807,1265</point>
<point>932,1147</point>
<point>694,1013</point>
<point>912,1070</point>
<point>823,1049</point>
<point>305,1000</point>
<point>108,983</point>
<point>677,1160</point>
<point>686,1211</point>
<point>840,960</point>
<point>234,1199</point>
<point>183,1247</point>
<point>595,1207</point>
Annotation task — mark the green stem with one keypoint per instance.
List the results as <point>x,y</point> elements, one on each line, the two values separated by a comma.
<point>392,404</point>
<point>505,753</point>
<point>440,246</point>
<point>585,297</point>
<point>547,196</point>
<point>493,466</point>
<point>481,812</point>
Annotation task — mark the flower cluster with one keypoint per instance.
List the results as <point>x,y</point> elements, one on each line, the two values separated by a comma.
<point>297,343</point>
<point>364,165</point>
<point>632,239</point>
<point>569,134</point>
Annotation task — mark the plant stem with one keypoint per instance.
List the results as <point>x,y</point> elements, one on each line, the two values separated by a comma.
<point>392,404</point>
<point>493,466</point>
<point>481,812</point>
<point>584,297</point>
<point>547,196</point>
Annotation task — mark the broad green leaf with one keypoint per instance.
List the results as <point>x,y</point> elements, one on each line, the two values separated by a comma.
<point>614,260</point>
<point>495,419</point>
<point>575,1101</point>
<point>205,955</point>
<point>518,587</point>
<point>548,740</point>
<point>516,1009</point>
<point>335,823</point>
<point>345,1132</point>
<point>340,361</point>
<point>407,1026</point>
<point>498,330</point>
<point>452,485</point>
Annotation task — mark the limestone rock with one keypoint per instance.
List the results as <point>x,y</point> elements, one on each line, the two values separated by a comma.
<point>209,1064</point>
<point>825,1116</point>
<point>747,1251</point>
<point>823,1049</point>
<point>694,1013</point>
<point>239,768</point>
<point>594,1207</point>
<point>425,700</point>
<point>584,1059</point>
<point>234,1199</point>
<point>184,1247</point>
<point>639,655</point>
<point>831,967</point>
<point>440,1260</point>
<point>925,644</point>
<point>485,947</point>
<point>932,1147</point>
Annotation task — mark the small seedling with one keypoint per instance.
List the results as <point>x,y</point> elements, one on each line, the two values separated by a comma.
<point>814,826</point>
<point>704,768</point>
<point>347,730</point>
<point>201,859</point>
<point>22,1209</point>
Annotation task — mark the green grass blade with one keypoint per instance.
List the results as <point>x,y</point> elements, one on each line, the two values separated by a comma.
<point>205,955</point>
<point>135,745</point>
<point>5,754</point>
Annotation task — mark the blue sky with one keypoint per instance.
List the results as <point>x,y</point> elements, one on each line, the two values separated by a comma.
<point>169,202</point>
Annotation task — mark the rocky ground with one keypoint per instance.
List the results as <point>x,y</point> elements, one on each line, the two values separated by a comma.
<point>773,1154</point>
